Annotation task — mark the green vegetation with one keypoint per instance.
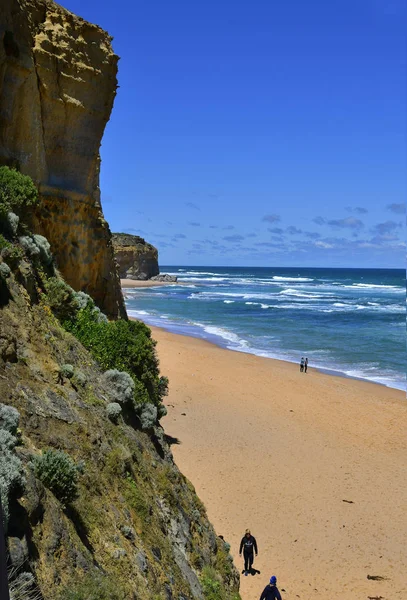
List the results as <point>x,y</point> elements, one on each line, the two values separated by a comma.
<point>125,346</point>
<point>4,243</point>
<point>94,587</point>
<point>12,479</point>
<point>9,418</point>
<point>22,585</point>
<point>13,255</point>
<point>58,473</point>
<point>66,371</point>
<point>211,585</point>
<point>133,508</point>
<point>113,411</point>
<point>61,298</point>
<point>17,192</point>
<point>120,385</point>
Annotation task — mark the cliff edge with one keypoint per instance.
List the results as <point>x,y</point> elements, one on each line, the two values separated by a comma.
<point>57,87</point>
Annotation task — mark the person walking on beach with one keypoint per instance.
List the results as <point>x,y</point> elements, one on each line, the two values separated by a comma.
<point>302,363</point>
<point>271,591</point>
<point>248,545</point>
<point>306,365</point>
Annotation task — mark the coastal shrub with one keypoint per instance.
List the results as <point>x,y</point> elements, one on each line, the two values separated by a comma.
<point>44,248</point>
<point>12,479</point>
<point>58,473</point>
<point>9,224</point>
<point>4,271</point>
<point>114,410</point>
<point>61,298</point>
<point>66,371</point>
<point>22,586</point>
<point>4,243</point>
<point>13,221</point>
<point>148,416</point>
<point>13,255</point>
<point>125,346</point>
<point>79,378</point>
<point>161,411</point>
<point>27,242</point>
<point>120,386</point>
<point>85,301</point>
<point>7,441</point>
<point>94,586</point>
<point>211,585</point>
<point>82,299</point>
<point>17,191</point>
<point>9,418</point>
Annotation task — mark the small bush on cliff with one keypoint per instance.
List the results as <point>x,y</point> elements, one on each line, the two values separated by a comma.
<point>113,410</point>
<point>12,479</point>
<point>17,192</point>
<point>211,585</point>
<point>85,301</point>
<point>13,255</point>
<point>125,346</point>
<point>22,585</point>
<point>66,371</point>
<point>4,243</point>
<point>37,247</point>
<point>58,473</point>
<point>9,418</point>
<point>61,298</point>
<point>120,386</point>
<point>148,416</point>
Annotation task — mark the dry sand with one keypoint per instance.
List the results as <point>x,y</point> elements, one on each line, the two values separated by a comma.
<point>270,448</point>
<point>138,283</point>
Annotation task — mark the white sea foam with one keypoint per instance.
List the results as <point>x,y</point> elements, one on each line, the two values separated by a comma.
<point>264,306</point>
<point>223,333</point>
<point>205,279</point>
<point>373,286</point>
<point>136,313</point>
<point>277,278</point>
<point>228,301</point>
<point>299,294</point>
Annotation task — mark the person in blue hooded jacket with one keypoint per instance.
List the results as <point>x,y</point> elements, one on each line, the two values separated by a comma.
<point>271,592</point>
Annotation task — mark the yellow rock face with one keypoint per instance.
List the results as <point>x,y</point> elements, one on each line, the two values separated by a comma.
<point>57,87</point>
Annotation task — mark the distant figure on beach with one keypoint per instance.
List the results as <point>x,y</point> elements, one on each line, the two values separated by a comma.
<point>271,592</point>
<point>306,365</point>
<point>302,364</point>
<point>249,546</point>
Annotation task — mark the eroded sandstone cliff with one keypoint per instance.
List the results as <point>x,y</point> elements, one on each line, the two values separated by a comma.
<point>57,87</point>
<point>137,259</point>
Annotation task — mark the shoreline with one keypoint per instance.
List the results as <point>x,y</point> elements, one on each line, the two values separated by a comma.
<point>322,370</point>
<point>313,464</point>
<point>145,283</point>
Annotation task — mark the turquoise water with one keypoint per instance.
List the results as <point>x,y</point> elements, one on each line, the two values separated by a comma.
<point>350,321</point>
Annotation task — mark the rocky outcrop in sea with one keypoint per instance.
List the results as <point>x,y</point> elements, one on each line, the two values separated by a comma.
<point>137,259</point>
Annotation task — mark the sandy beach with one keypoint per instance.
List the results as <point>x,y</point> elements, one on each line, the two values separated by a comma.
<point>314,465</point>
<point>138,283</point>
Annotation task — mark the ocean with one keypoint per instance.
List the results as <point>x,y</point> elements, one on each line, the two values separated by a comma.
<point>350,322</point>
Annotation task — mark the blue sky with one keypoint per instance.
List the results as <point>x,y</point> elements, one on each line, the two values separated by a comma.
<point>261,132</point>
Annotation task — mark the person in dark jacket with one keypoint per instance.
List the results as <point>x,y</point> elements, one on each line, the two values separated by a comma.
<point>271,592</point>
<point>249,546</point>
